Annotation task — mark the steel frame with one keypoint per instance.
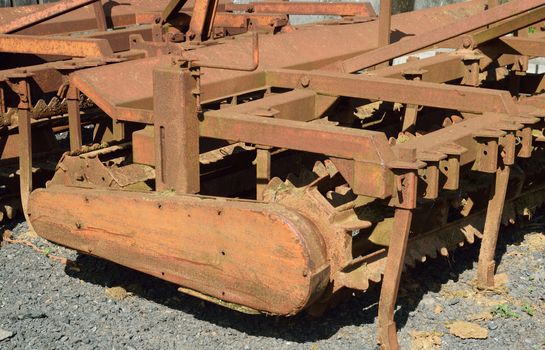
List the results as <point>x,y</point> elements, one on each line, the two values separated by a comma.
<point>293,94</point>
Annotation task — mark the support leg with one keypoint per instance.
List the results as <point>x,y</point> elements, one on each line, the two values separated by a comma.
<point>392,274</point>
<point>176,130</point>
<point>74,118</point>
<point>263,171</point>
<point>100,16</point>
<point>384,22</point>
<point>25,142</point>
<point>25,157</point>
<point>118,130</point>
<point>486,265</point>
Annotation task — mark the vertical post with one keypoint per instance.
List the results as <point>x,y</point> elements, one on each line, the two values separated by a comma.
<point>25,142</point>
<point>100,16</point>
<point>404,201</point>
<point>202,19</point>
<point>118,130</point>
<point>263,170</point>
<point>74,118</point>
<point>176,128</point>
<point>486,266</point>
<point>392,275</point>
<point>384,22</point>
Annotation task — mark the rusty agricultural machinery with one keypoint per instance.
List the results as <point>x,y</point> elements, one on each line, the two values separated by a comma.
<point>270,167</point>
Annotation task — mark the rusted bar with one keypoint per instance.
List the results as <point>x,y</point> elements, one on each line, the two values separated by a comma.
<point>61,46</point>
<point>44,13</point>
<point>526,46</point>
<point>248,68</point>
<point>24,114</point>
<point>241,20</point>
<point>202,19</point>
<point>306,8</point>
<point>118,130</point>
<point>263,170</point>
<point>176,130</point>
<point>297,104</point>
<point>100,16</point>
<point>394,90</point>
<point>384,22</point>
<point>512,24</point>
<point>486,265</point>
<point>392,275</point>
<point>433,37</point>
<point>74,118</point>
<point>119,39</point>
<point>331,140</point>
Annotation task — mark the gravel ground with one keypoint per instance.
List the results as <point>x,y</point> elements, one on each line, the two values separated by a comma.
<point>94,304</point>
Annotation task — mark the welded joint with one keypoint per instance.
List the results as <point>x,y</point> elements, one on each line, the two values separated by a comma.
<point>405,170</point>
<point>430,174</point>
<point>471,60</point>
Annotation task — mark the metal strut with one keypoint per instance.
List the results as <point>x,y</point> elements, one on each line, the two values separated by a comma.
<point>486,265</point>
<point>404,201</point>
<point>24,115</point>
<point>392,275</point>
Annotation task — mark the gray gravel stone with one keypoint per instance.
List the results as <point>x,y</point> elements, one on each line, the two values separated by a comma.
<point>5,334</point>
<point>47,305</point>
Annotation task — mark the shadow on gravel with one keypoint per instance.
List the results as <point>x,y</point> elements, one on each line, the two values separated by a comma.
<point>358,310</point>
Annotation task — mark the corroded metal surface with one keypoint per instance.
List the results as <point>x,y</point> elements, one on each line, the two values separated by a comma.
<point>274,166</point>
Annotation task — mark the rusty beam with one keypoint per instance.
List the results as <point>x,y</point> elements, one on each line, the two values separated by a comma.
<point>60,46</point>
<point>384,22</point>
<point>119,39</point>
<point>390,286</point>
<point>241,20</point>
<point>102,25</point>
<point>421,93</point>
<point>297,105</point>
<point>526,46</point>
<point>512,24</point>
<point>437,69</point>
<point>176,130</point>
<point>332,140</point>
<point>427,39</point>
<point>306,8</point>
<point>202,20</point>
<point>42,14</point>
<point>74,118</point>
